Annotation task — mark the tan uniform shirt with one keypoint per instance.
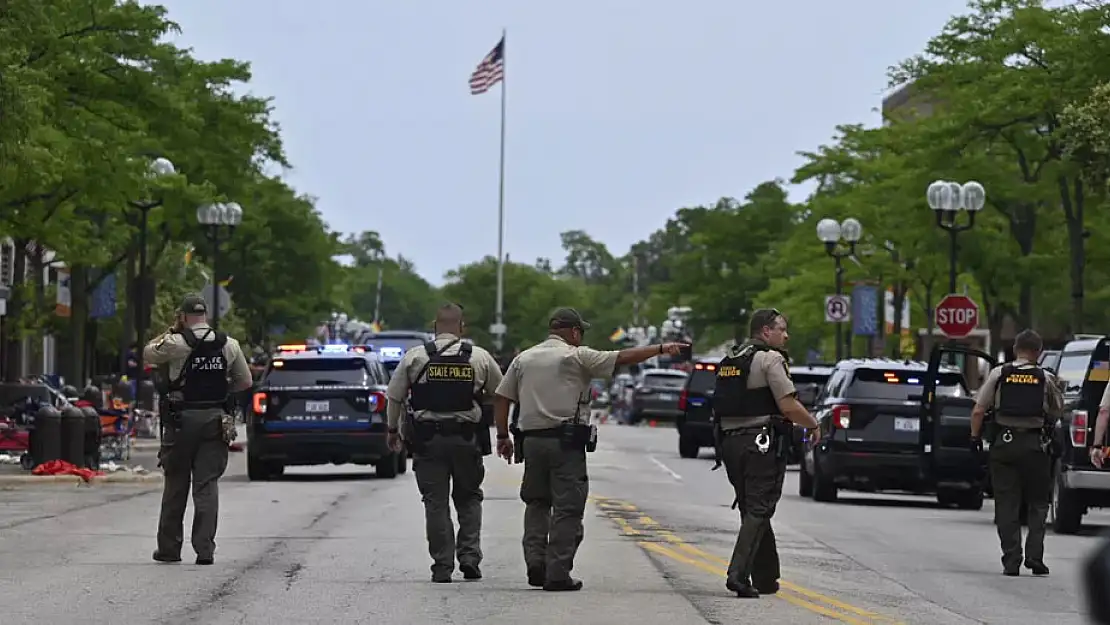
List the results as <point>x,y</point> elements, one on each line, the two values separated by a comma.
<point>487,375</point>
<point>769,369</point>
<point>551,382</point>
<point>173,350</point>
<point>988,397</point>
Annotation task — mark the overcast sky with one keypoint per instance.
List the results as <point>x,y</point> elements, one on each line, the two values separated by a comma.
<point>619,111</point>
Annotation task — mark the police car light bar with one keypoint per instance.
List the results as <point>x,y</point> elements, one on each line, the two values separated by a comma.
<point>391,353</point>
<point>292,348</point>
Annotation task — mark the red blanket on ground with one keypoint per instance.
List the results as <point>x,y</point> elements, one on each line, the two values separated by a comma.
<point>61,467</point>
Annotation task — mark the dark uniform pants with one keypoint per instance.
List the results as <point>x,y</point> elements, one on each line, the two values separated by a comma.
<point>194,456</point>
<point>451,468</point>
<point>1020,471</point>
<point>554,490</point>
<point>757,478</point>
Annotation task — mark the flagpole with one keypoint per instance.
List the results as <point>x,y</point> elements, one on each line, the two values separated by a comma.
<point>500,314</point>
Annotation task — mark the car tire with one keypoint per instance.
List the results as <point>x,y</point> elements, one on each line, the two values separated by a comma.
<point>1065,511</point>
<point>970,499</point>
<point>257,470</point>
<point>688,446</point>
<point>387,466</point>
<point>402,463</point>
<point>824,488</point>
<point>805,480</point>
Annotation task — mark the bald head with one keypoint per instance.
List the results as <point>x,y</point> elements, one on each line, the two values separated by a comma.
<point>449,319</point>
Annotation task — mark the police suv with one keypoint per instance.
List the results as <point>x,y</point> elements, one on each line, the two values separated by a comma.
<point>895,425</point>
<point>391,345</point>
<point>319,405</point>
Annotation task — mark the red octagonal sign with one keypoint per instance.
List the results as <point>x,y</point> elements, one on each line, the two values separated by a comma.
<point>957,316</point>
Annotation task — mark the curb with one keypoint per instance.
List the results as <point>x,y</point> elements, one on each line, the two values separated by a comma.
<point>111,478</point>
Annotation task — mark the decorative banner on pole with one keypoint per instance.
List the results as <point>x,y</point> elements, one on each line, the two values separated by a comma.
<point>865,310</point>
<point>104,298</point>
<point>64,301</point>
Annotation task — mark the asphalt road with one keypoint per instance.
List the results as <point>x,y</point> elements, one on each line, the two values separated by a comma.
<point>337,545</point>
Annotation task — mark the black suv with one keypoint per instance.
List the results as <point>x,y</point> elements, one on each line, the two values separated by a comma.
<point>1084,367</point>
<point>319,405</point>
<point>695,427</point>
<point>391,345</point>
<point>893,425</point>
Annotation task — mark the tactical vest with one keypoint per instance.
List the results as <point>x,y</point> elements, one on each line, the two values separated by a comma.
<point>202,382</point>
<point>448,384</point>
<point>732,399</point>
<point>1021,394</point>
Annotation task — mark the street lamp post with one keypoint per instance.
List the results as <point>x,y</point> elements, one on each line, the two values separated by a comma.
<point>158,167</point>
<point>215,217</point>
<point>948,199</point>
<point>840,241</point>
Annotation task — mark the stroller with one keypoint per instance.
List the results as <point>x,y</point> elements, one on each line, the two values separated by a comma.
<point>18,405</point>
<point>115,433</point>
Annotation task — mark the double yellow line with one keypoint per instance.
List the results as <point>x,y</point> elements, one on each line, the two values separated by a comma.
<point>643,527</point>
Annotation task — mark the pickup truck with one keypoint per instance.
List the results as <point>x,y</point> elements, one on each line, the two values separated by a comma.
<point>1084,367</point>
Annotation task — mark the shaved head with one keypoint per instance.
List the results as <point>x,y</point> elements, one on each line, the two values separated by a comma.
<point>449,319</point>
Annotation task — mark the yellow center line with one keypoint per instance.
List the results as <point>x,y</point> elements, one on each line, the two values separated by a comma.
<point>709,568</point>
<point>705,562</point>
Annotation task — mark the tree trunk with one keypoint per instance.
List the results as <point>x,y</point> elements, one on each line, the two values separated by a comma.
<point>1073,205</point>
<point>74,366</point>
<point>13,333</point>
<point>38,268</point>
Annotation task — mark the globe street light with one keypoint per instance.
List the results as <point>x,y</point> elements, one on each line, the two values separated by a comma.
<point>840,239</point>
<point>213,218</point>
<point>143,293</point>
<point>948,199</point>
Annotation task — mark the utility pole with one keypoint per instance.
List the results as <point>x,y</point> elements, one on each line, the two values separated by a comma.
<point>378,296</point>
<point>635,290</point>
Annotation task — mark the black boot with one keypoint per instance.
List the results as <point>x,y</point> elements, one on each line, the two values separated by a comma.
<point>743,589</point>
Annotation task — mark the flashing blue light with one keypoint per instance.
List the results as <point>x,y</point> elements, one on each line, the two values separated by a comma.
<point>391,353</point>
<point>335,347</point>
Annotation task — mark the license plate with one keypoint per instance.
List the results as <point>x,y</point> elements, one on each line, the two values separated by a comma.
<point>666,397</point>
<point>906,425</point>
<point>316,406</point>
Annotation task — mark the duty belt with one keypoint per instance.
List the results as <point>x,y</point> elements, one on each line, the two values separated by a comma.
<point>554,432</point>
<point>451,427</point>
<point>755,429</point>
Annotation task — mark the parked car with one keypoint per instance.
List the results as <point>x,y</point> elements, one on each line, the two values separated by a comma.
<point>808,380</point>
<point>695,424</point>
<point>656,395</point>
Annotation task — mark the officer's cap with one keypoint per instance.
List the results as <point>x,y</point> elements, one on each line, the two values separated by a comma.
<point>568,318</point>
<point>193,304</point>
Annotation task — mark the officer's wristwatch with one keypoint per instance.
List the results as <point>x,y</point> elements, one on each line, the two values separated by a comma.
<point>392,430</point>
<point>502,437</point>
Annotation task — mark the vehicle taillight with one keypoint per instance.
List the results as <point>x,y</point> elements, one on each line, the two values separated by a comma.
<point>682,397</point>
<point>377,402</point>
<point>259,403</point>
<point>841,417</point>
<point>1078,428</point>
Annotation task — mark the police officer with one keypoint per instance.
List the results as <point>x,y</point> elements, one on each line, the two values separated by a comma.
<point>551,384</point>
<point>204,368</point>
<point>1027,403</point>
<point>754,402</point>
<point>449,381</point>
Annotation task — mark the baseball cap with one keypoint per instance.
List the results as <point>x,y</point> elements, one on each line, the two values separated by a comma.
<point>193,304</point>
<point>568,318</point>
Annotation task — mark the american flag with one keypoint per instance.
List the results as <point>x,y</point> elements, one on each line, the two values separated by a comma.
<point>490,71</point>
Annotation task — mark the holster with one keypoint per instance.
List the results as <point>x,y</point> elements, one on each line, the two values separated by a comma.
<point>782,432</point>
<point>518,444</point>
<point>1052,440</point>
<point>416,444</point>
<point>718,443</point>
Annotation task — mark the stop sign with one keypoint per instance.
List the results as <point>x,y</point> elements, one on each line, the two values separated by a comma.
<point>957,316</point>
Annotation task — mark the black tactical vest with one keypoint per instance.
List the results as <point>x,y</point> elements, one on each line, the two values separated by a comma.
<point>731,396</point>
<point>448,385</point>
<point>1021,391</point>
<point>203,378</point>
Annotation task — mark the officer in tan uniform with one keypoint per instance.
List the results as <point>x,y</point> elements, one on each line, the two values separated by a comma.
<point>205,367</point>
<point>1097,450</point>
<point>754,405</point>
<point>551,384</point>
<point>1027,403</point>
<point>449,381</point>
